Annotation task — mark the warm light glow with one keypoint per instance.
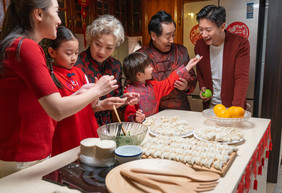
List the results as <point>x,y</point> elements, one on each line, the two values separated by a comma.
<point>191,14</point>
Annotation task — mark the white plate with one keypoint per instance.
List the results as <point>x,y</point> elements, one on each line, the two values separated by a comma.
<point>209,115</point>
<point>226,142</point>
<point>185,135</point>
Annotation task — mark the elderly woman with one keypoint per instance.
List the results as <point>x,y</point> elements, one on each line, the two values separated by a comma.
<point>104,35</point>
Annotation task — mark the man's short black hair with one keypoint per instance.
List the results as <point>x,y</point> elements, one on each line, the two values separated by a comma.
<point>155,24</point>
<point>215,14</point>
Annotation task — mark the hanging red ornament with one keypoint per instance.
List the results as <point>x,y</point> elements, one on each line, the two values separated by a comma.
<point>83,13</point>
<point>260,170</point>
<point>84,33</point>
<point>270,146</point>
<point>241,185</point>
<point>83,3</point>
<point>255,184</point>
<point>267,154</point>
<point>248,178</point>
<point>262,161</point>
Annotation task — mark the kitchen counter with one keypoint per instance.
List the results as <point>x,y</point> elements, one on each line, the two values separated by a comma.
<point>29,180</point>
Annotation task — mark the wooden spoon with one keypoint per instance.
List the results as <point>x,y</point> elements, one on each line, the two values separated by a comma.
<point>196,186</point>
<point>163,187</point>
<point>115,110</point>
<point>201,176</point>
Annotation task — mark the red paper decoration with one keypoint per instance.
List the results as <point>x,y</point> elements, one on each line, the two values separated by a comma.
<point>255,184</point>
<point>83,12</point>
<point>239,28</point>
<point>258,157</point>
<point>83,3</point>
<point>260,170</point>
<point>195,34</point>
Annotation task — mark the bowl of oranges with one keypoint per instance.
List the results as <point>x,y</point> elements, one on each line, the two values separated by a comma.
<point>220,114</point>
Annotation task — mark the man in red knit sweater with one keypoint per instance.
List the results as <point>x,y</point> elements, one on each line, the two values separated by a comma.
<point>224,68</point>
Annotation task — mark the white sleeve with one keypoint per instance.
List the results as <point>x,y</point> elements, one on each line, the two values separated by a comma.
<point>86,78</point>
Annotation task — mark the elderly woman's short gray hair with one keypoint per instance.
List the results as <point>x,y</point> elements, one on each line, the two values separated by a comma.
<point>105,24</point>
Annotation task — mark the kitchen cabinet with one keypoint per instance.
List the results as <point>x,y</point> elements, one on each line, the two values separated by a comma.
<point>70,14</point>
<point>173,7</point>
<point>127,11</point>
<point>135,18</point>
<point>120,11</point>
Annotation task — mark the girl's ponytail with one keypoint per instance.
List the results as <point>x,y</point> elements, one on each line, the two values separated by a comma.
<point>56,81</point>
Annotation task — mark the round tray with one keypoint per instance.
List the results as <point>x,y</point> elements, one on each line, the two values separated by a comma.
<point>184,135</point>
<point>209,115</point>
<point>115,182</point>
<point>226,142</point>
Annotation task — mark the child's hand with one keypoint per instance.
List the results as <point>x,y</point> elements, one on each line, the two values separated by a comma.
<point>181,84</point>
<point>139,116</point>
<point>193,62</point>
<point>132,98</point>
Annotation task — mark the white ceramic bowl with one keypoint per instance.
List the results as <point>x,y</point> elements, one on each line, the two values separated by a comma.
<point>127,153</point>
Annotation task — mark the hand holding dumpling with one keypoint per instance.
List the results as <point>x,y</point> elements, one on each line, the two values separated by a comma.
<point>193,62</point>
<point>139,116</point>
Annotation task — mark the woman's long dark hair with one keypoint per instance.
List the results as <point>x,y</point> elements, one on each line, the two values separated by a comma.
<point>63,34</point>
<point>18,23</point>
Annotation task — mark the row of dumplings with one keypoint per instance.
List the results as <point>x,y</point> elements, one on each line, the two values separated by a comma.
<point>189,150</point>
<point>172,126</point>
<point>220,134</point>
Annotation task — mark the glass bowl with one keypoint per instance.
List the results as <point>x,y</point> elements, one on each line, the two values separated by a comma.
<point>209,115</point>
<point>135,133</point>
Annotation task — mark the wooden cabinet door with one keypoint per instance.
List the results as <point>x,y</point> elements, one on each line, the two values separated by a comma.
<point>76,21</point>
<point>70,14</point>
<point>127,11</point>
<point>135,18</point>
<point>173,7</point>
<point>120,11</point>
<point>103,7</point>
<point>63,12</point>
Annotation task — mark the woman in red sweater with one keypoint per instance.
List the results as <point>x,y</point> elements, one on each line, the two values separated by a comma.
<point>29,99</point>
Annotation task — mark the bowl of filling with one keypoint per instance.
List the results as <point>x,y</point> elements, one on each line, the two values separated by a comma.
<point>134,133</point>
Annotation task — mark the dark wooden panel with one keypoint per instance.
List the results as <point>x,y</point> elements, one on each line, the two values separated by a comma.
<point>151,7</point>
<point>272,86</point>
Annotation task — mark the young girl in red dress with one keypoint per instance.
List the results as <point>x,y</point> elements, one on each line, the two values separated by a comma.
<point>69,79</point>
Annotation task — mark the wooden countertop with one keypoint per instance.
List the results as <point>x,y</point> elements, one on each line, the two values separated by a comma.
<point>29,180</point>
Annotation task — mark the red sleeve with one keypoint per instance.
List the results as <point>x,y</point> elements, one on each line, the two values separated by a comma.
<point>129,115</point>
<point>203,62</point>
<point>241,74</point>
<point>164,87</point>
<point>33,70</point>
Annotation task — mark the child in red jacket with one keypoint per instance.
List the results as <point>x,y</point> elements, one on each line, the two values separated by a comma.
<point>138,71</point>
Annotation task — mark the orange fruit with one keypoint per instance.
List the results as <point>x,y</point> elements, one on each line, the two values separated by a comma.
<point>230,109</point>
<point>223,113</point>
<point>237,112</point>
<point>217,108</point>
